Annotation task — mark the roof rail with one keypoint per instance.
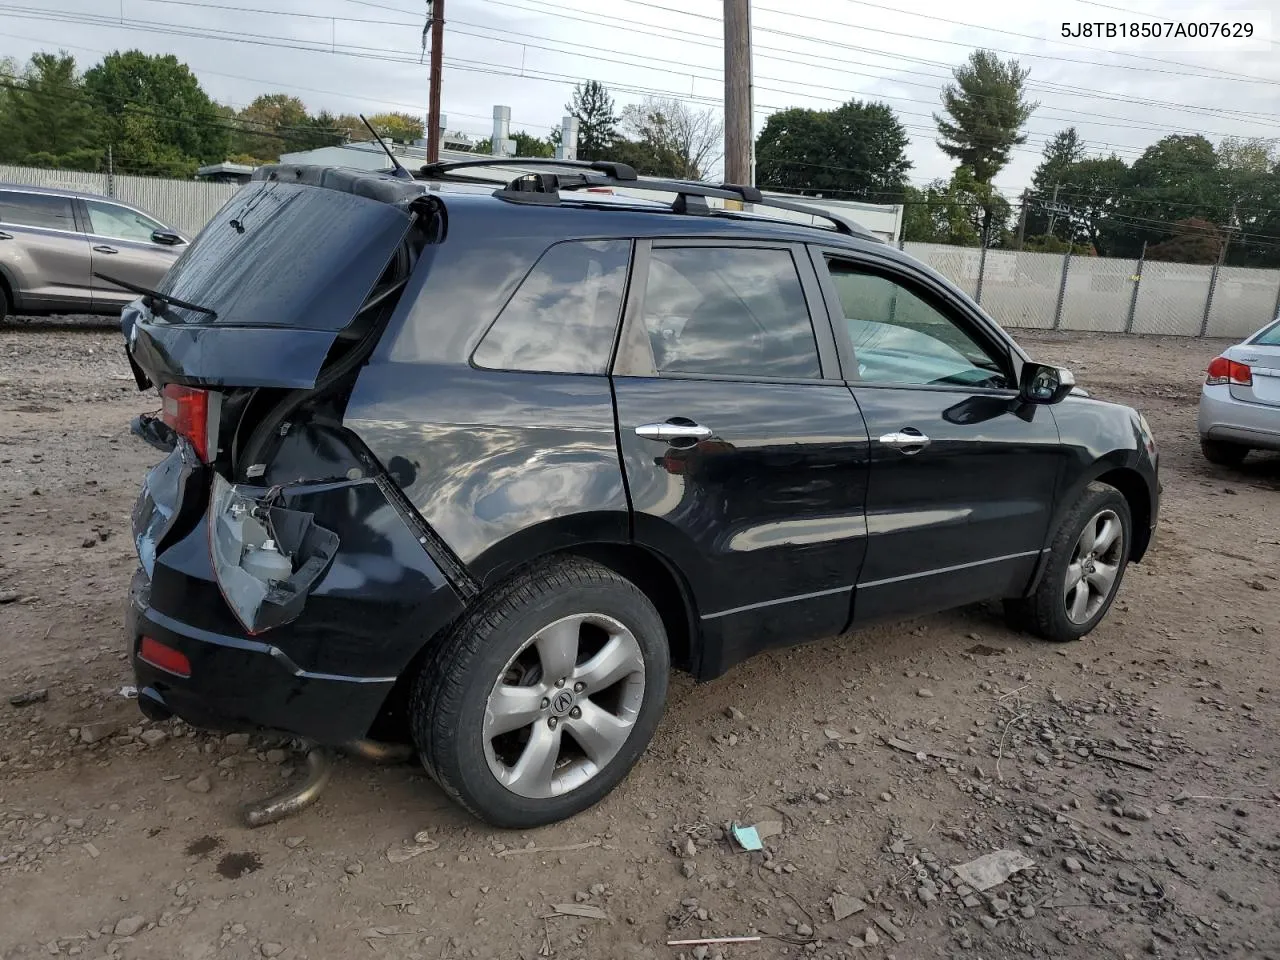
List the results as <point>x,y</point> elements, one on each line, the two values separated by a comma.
<point>544,188</point>
<point>615,171</point>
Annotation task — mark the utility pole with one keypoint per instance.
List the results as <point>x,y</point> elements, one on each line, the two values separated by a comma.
<point>436,9</point>
<point>1053,210</point>
<point>737,92</point>
<point>1022,220</point>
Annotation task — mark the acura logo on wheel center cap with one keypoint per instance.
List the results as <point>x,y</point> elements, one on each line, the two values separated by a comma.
<point>561,702</point>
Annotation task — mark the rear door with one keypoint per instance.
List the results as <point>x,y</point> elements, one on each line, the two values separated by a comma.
<point>745,456</point>
<point>963,475</point>
<point>121,246</point>
<point>43,251</point>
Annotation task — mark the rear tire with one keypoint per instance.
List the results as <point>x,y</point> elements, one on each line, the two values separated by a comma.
<point>1087,561</point>
<point>1222,453</point>
<point>5,306</point>
<point>542,698</point>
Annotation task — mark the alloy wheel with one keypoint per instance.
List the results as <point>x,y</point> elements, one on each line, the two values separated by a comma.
<point>564,705</point>
<point>1095,564</point>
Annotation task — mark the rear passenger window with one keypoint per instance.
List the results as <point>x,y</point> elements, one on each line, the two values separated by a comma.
<point>563,317</point>
<point>36,210</point>
<point>728,311</point>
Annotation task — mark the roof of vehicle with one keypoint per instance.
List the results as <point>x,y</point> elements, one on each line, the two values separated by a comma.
<point>59,192</point>
<point>578,214</point>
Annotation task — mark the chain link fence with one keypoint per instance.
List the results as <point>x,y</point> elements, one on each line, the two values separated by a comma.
<point>1041,291</point>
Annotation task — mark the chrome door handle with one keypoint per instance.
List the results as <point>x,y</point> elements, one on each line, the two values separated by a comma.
<point>103,248</point>
<point>5,236</point>
<point>908,440</point>
<point>673,431</point>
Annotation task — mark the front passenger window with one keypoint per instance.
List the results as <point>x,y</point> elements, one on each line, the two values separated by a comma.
<point>900,338</point>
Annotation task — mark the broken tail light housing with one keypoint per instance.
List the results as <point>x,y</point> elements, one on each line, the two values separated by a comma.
<point>266,558</point>
<point>161,502</point>
<point>1226,370</point>
<point>192,413</point>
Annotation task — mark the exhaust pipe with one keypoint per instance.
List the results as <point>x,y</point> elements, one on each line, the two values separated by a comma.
<point>292,799</point>
<point>376,751</point>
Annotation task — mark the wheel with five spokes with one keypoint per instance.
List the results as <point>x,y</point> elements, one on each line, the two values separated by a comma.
<point>543,697</point>
<point>1086,563</point>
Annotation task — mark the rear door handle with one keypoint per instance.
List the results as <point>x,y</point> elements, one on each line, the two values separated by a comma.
<point>5,236</point>
<point>908,440</point>
<point>673,431</point>
<point>103,248</point>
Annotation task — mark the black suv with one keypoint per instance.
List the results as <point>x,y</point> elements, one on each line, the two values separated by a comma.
<point>476,467</point>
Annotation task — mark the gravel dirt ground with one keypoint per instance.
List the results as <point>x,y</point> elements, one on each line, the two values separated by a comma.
<point>1137,770</point>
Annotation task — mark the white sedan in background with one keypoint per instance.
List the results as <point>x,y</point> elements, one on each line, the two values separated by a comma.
<point>1240,400</point>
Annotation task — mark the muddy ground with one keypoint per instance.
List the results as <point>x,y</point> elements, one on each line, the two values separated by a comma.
<point>1137,769</point>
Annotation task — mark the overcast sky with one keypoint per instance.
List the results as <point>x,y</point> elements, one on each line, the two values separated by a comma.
<point>363,55</point>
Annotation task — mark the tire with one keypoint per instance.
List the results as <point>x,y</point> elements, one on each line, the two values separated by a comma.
<point>1055,611</point>
<point>570,613</point>
<point>5,306</point>
<point>1222,453</point>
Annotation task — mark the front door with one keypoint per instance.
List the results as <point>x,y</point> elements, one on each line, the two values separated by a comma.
<point>121,244</point>
<point>963,475</point>
<point>745,455</point>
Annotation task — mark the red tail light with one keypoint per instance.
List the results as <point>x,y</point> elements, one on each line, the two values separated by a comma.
<point>164,657</point>
<point>186,410</point>
<point>1223,370</point>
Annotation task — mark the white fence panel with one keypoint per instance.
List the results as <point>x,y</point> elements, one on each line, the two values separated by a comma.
<point>1098,294</point>
<point>1020,289</point>
<point>1243,300</point>
<point>61,179</point>
<point>1171,298</point>
<point>957,264</point>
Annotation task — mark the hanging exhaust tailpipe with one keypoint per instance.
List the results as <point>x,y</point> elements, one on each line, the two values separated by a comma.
<point>292,799</point>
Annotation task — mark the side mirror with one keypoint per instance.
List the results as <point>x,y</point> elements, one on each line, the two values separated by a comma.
<point>166,237</point>
<point>1042,383</point>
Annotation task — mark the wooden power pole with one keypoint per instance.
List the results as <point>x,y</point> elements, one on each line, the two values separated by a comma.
<point>437,61</point>
<point>1022,220</point>
<point>737,92</point>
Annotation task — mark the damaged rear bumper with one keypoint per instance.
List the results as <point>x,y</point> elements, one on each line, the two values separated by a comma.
<point>326,673</point>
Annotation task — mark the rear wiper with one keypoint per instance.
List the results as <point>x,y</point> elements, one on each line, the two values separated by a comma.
<point>151,296</point>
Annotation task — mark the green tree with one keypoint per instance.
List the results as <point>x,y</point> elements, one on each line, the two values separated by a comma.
<point>858,150</point>
<point>1176,178</point>
<point>45,117</point>
<point>166,89</point>
<point>597,121</point>
<point>527,145</point>
<point>986,108</point>
<point>400,127</point>
<point>959,212</point>
<point>1094,189</point>
<point>1063,150</point>
<point>274,123</point>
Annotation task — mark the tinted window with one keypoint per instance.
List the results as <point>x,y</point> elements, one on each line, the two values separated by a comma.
<point>728,311</point>
<point>119,223</point>
<point>563,316</point>
<point>901,338</point>
<point>36,210</point>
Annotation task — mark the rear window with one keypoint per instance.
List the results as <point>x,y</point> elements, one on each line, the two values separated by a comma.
<point>1269,337</point>
<point>563,316</point>
<point>36,210</point>
<point>287,255</point>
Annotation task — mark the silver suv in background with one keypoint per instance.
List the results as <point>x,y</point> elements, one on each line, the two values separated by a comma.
<point>54,243</point>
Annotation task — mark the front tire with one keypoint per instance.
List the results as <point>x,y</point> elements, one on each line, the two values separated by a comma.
<point>1087,562</point>
<point>1222,453</point>
<point>543,697</point>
